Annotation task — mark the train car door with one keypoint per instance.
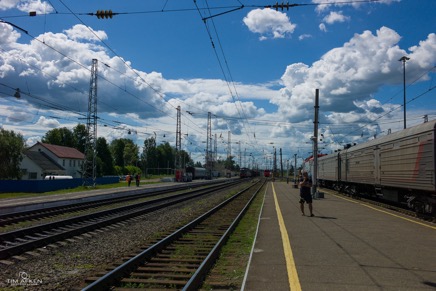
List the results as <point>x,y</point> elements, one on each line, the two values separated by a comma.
<point>377,180</point>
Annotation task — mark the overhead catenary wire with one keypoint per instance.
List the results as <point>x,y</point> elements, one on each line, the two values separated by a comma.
<point>227,76</point>
<point>85,67</point>
<point>128,66</point>
<point>227,8</point>
<point>338,2</point>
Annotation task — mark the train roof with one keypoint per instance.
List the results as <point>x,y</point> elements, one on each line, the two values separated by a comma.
<point>411,131</point>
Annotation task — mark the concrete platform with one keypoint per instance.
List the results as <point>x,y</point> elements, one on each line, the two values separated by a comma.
<point>347,246</point>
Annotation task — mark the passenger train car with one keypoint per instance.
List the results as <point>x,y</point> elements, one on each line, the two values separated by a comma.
<point>399,167</point>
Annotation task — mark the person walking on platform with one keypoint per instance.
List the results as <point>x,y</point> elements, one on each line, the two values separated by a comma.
<point>305,195</point>
<point>137,179</point>
<point>128,179</point>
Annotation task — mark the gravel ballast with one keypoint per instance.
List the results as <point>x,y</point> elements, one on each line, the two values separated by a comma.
<point>65,265</point>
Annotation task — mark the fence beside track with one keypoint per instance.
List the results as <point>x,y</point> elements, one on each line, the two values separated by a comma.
<point>40,186</point>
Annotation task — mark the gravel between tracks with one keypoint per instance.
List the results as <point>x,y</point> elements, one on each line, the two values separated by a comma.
<point>66,265</point>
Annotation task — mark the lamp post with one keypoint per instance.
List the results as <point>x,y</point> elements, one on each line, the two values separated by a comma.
<point>404,59</point>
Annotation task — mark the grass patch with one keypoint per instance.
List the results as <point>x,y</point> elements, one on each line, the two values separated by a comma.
<point>232,262</point>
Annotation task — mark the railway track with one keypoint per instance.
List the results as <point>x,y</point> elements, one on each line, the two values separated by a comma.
<point>182,259</point>
<point>40,213</point>
<point>19,241</point>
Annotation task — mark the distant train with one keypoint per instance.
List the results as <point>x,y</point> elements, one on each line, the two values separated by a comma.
<point>247,173</point>
<point>244,173</point>
<point>399,167</point>
<point>196,173</point>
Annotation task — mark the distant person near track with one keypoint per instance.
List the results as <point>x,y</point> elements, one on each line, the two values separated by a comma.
<point>137,179</point>
<point>129,179</point>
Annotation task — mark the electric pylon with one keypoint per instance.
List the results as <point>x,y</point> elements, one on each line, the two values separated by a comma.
<point>209,146</point>
<point>229,145</point>
<point>178,159</point>
<point>215,149</point>
<point>89,166</point>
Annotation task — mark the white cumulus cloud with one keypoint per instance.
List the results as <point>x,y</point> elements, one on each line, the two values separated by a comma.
<point>48,122</point>
<point>269,23</point>
<point>350,75</point>
<point>335,17</point>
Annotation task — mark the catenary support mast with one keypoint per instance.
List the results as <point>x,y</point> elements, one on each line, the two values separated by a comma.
<point>89,166</point>
<point>315,146</point>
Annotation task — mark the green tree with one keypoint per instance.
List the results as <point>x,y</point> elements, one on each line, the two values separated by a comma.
<point>230,164</point>
<point>149,155</point>
<point>60,136</point>
<point>131,152</point>
<point>79,134</point>
<point>11,148</point>
<point>117,149</point>
<point>185,158</point>
<point>106,162</point>
<point>124,152</point>
<point>165,155</point>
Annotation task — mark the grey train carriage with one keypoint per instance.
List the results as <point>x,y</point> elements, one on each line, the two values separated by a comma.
<point>399,167</point>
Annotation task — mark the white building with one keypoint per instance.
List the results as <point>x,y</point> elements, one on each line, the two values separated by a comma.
<point>44,159</point>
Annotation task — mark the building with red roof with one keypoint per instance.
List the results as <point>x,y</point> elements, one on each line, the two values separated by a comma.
<point>43,159</point>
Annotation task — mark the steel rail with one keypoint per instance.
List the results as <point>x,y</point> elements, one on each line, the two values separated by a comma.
<point>20,241</point>
<point>112,277</point>
<point>19,216</point>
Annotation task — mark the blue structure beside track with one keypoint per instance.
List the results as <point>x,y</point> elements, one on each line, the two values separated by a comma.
<point>40,186</point>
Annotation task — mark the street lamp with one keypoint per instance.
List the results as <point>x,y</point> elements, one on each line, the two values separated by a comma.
<point>404,59</point>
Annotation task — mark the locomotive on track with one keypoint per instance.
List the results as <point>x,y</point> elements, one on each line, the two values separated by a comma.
<point>399,167</point>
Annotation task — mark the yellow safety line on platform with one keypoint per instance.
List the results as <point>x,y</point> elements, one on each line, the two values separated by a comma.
<point>387,212</point>
<point>294,282</point>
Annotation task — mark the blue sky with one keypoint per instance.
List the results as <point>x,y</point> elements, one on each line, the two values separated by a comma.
<point>258,79</point>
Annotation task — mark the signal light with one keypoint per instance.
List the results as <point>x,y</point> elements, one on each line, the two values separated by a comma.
<point>104,14</point>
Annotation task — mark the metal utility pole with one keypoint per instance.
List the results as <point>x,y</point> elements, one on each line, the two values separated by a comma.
<point>209,146</point>
<point>240,155</point>
<point>275,162</point>
<point>295,171</point>
<point>229,145</point>
<point>404,59</point>
<point>315,146</point>
<point>90,166</point>
<point>178,158</point>
<point>215,151</point>
<point>281,164</point>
